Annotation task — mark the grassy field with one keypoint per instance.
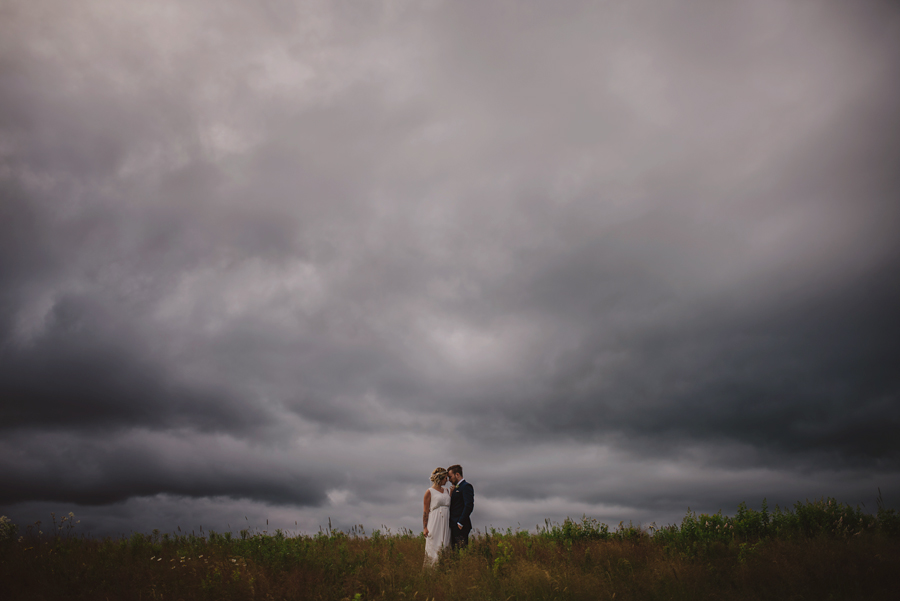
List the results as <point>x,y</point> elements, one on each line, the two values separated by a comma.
<point>815,550</point>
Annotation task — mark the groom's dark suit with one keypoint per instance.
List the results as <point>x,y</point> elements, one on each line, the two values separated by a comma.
<point>462,502</point>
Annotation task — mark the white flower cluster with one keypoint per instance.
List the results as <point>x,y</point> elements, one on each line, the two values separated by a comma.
<point>8,529</point>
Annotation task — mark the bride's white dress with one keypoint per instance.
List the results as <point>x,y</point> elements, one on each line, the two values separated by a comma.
<point>438,537</point>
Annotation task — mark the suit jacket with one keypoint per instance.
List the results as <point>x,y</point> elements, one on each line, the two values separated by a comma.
<point>462,502</point>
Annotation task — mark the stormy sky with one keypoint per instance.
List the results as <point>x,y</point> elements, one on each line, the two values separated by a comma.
<point>279,260</point>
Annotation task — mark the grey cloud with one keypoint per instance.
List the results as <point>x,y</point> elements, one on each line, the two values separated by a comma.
<point>811,374</point>
<point>656,228</point>
<point>71,378</point>
<point>82,469</point>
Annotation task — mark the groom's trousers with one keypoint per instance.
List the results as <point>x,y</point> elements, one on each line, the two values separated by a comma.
<point>459,539</point>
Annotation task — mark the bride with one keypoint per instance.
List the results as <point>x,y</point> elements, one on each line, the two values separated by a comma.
<point>436,519</point>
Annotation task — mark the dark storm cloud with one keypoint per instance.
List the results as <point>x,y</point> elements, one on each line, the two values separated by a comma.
<point>81,363</point>
<point>313,247</point>
<point>795,354</point>
<point>82,469</point>
<point>813,373</point>
<point>77,375</point>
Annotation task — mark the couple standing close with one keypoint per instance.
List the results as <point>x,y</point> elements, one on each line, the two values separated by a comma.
<point>446,520</point>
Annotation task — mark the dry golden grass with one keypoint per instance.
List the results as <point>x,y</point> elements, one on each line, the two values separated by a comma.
<point>563,562</point>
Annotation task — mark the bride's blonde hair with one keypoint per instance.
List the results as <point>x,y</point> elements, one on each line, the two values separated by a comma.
<point>438,474</point>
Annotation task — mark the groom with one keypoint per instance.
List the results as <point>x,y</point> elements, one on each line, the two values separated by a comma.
<point>462,501</point>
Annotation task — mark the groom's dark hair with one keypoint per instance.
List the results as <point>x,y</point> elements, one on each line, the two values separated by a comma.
<point>456,469</point>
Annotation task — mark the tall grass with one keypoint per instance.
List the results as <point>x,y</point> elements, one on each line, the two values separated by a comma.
<point>815,550</point>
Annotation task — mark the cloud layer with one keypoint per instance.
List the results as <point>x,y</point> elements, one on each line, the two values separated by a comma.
<point>285,259</point>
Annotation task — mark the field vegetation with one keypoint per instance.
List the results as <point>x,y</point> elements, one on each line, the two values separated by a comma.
<point>815,550</point>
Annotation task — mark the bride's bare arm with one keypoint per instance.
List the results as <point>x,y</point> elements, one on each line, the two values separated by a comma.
<point>427,511</point>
